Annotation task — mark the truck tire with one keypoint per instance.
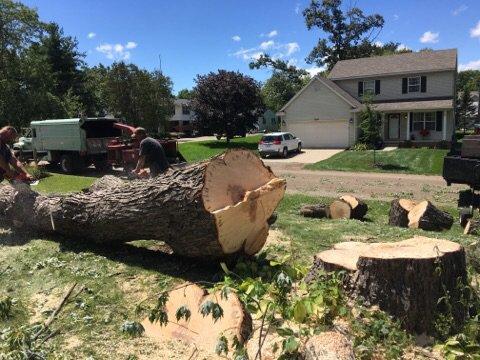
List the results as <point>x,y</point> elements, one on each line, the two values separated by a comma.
<point>102,165</point>
<point>68,164</point>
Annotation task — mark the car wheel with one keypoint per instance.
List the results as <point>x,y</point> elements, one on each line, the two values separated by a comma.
<point>285,152</point>
<point>299,148</point>
<point>67,164</point>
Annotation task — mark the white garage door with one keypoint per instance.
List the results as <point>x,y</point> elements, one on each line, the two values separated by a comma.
<point>321,134</point>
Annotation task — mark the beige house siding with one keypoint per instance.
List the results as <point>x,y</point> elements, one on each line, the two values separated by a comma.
<point>317,102</point>
<point>439,84</point>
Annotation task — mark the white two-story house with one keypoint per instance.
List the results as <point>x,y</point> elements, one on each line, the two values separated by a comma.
<point>183,118</point>
<point>413,92</point>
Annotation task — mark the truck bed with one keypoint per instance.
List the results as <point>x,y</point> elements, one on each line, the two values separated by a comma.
<point>460,170</point>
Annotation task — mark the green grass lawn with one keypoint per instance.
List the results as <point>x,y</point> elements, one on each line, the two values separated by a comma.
<point>61,183</point>
<point>201,150</point>
<point>408,161</point>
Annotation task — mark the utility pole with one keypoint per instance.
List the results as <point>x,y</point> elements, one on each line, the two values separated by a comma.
<point>160,63</point>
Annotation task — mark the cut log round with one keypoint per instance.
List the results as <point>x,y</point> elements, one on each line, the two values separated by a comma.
<point>318,211</point>
<point>202,331</point>
<point>359,207</point>
<point>399,209</point>
<point>209,209</point>
<point>405,279</point>
<point>427,217</point>
<point>472,227</point>
<point>340,209</point>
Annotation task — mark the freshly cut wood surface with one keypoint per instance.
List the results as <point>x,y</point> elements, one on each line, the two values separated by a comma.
<point>340,209</point>
<point>359,207</point>
<point>210,209</point>
<point>405,278</point>
<point>399,209</point>
<point>428,217</point>
<point>204,332</point>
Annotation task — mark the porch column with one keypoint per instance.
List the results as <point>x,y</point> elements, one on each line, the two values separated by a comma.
<point>408,125</point>
<point>444,127</point>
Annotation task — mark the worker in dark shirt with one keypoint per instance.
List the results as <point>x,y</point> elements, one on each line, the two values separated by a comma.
<point>151,154</point>
<point>10,166</point>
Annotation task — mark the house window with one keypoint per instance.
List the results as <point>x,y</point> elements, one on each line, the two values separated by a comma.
<point>414,84</point>
<point>424,121</point>
<point>369,87</point>
<point>185,122</point>
<point>185,109</point>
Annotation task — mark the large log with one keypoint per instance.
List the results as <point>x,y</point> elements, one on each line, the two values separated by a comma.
<point>340,209</point>
<point>399,209</point>
<point>406,279</point>
<point>428,217</point>
<point>209,209</point>
<point>472,227</point>
<point>318,211</point>
<point>359,207</point>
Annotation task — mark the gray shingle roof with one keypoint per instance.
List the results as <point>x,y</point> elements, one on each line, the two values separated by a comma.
<point>415,62</point>
<point>414,105</point>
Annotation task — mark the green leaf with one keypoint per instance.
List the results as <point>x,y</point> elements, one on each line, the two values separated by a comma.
<point>285,331</point>
<point>222,346</point>
<point>299,312</point>
<point>290,345</point>
<point>224,268</point>
<point>183,312</point>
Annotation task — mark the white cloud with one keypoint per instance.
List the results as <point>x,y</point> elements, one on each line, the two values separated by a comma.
<point>272,33</point>
<point>248,54</point>
<point>116,51</point>
<point>396,17</point>
<point>292,47</point>
<point>459,10</point>
<point>236,38</point>
<point>298,8</point>
<point>131,45</point>
<point>267,44</point>
<point>314,70</point>
<point>472,65</point>
<point>378,43</point>
<point>91,35</point>
<point>403,47</point>
<point>475,31</point>
<point>429,37</point>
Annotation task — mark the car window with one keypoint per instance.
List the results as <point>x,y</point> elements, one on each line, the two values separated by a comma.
<point>270,138</point>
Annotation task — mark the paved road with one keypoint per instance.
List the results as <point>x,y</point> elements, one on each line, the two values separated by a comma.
<point>382,186</point>
<point>307,156</point>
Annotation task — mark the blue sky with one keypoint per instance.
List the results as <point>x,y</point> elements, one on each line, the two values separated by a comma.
<point>199,36</point>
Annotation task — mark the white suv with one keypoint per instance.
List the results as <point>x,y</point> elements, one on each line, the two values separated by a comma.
<point>279,143</point>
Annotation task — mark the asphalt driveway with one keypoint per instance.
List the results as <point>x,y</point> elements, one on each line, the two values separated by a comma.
<point>307,156</point>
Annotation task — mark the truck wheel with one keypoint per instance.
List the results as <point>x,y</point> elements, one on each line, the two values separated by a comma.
<point>67,164</point>
<point>285,153</point>
<point>102,165</point>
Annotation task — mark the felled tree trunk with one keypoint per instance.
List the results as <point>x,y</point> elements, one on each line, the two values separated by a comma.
<point>427,217</point>
<point>359,207</point>
<point>318,211</point>
<point>209,209</point>
<point>406,279</point>
<point>399,209</point>
<point>203,331</point>
<point>340,209</point>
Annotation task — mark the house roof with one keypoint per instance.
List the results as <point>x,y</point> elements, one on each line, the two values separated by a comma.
<point>349,99</point>
<point>405,63</point>
<point>414,105</point>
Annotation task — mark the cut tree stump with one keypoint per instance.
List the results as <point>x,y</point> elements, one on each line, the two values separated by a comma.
<point>359,207</point>
<point>399,209</point>
<point>318,211</point>
<point>340,209</point>
<point>207,210</point>
<point>472,227</point>
<point>406,278</point>
<point>427,217</point>
<point>202,331</point>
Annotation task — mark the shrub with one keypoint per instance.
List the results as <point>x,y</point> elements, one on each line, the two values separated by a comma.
<point>407,144</point>
<point>360,147</point>
<point>444,144</point>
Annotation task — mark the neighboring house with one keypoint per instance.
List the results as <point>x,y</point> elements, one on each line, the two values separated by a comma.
<point>413,92</point>
<point>268,122</point>
<point>182,120</point>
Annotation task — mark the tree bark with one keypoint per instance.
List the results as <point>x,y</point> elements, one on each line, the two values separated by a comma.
<point>427,217</point>
<point>359,207</point>
<point>406,279</point>
<point>399,209</point>
<point>209,209</point>
<point>340,209</point>
<point>318,211</point>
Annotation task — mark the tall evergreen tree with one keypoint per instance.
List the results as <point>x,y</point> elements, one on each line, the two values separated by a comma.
<point>465,110</point>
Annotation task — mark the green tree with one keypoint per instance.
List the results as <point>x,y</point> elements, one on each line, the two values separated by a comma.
<point>185,94</point>
<point>469,79</point>
<point>370,124</point>
<point>285,82</point>
<point>350,34</point>
<point>227,102</point>
<point>465,110</point>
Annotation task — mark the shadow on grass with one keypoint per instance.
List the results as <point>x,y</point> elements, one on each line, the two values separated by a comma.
<point>391,167</point>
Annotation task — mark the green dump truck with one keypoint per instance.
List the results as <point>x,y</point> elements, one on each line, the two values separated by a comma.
<point>72,143</point>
